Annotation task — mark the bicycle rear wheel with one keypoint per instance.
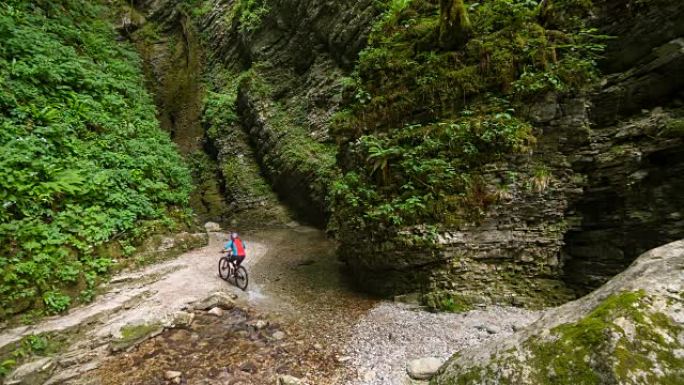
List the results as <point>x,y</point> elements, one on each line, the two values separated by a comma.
<point>224,268</point>
<point>241,278</point>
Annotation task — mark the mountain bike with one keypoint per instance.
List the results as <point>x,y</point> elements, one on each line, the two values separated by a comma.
<point>227,270</point>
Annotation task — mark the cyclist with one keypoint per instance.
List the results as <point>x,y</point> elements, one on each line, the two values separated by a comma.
<point>236,249</point>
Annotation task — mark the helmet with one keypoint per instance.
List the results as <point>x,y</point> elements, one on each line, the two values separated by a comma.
<point>233,235</point>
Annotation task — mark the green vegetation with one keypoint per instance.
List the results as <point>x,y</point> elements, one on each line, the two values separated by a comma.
<point>438,94</point>
<point>134,334</point>
<point>674,128</point>
<point>82,157</point>
<point>249,13</point>
<point>220,119</point>
<point>29,346</point>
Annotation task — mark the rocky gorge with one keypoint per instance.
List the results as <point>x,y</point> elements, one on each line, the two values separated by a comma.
<point>509,163</point>
<point>596,176</point>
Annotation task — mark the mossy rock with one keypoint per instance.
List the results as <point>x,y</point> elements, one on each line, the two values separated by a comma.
<point>674,128</point>
<point>629,331</point>
<point>132,335</point>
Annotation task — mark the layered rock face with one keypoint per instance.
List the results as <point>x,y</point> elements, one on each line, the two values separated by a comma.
<point>276,67</point>
<point>632,197</point>
<point>601,187</point>
<point>630,331</point>
<point>295,54</point>
<point>632,160</point>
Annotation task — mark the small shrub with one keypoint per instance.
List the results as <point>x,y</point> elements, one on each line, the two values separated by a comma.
<point>56,302</point>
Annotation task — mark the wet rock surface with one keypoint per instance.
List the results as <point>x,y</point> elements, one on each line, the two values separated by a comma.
<point>221,350</point>
<point>299,317</point>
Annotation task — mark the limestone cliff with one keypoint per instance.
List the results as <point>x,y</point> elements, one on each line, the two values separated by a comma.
<point>599,187</point>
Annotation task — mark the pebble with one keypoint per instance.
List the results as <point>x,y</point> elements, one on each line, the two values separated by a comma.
<point>423,368</point>
<point>216,311</point>
<point>289,380</point>
<point>278,335</point>
<point>260,324</point>
<point>172,374</point>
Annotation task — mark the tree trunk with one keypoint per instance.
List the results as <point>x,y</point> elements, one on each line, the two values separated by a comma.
<point>454,25</point>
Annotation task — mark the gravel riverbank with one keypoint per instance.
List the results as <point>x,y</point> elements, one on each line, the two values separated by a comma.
<point>391,334</point>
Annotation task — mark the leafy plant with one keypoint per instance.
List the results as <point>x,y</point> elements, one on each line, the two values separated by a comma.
<point>424,113</point>
<point>249,13</point>
<point>81,153</point>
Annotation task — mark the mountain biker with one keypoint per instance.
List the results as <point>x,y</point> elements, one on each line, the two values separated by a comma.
<point>236,249</point>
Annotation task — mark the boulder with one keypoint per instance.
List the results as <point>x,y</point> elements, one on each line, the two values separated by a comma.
<point>182,319</point>
<point>218,299</point>
<point>629,331</point>
<point>212,227</point>
<point>423,368</point>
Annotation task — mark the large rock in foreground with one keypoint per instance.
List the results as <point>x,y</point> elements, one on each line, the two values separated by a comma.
<point>630,331</point>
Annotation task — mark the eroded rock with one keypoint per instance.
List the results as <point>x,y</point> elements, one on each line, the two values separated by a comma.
<point>34,372</point>
<point>182,319</point>
<point>218,299</point>
<point>212,227</point>
<point>626,332</point>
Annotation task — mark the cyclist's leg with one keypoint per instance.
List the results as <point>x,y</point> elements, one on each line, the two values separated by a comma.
<point>239,260</point>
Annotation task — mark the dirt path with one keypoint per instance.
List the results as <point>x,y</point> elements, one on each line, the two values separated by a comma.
<point>152,296</point>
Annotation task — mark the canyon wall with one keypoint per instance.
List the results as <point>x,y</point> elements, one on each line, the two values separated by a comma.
<point>600,187</point>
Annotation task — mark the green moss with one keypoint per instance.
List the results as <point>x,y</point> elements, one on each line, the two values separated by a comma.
<point>34,345</point>
<point>594,350</point>
<point>447,301</point>
<point>674,128</point>
<point>207,198</point>
<point>571,358</point>
<point>133,334</point>
<point>422,118</point>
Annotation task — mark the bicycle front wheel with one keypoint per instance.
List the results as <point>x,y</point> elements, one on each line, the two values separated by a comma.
<point>241,278</point>
<point>224,268</point>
